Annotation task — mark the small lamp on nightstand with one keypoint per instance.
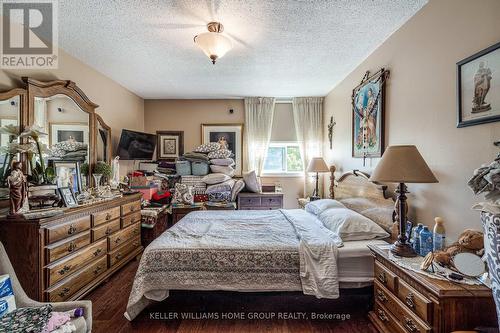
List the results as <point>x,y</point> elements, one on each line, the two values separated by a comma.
<point>402,164</point>
<point>317,164</point>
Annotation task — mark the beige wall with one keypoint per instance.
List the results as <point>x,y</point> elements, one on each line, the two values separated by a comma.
<point>421,106</point>
<point>119,107</point>
<point>188,115</point>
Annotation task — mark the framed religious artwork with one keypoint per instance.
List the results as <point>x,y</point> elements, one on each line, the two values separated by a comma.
<point>170,145</point>
<point>368,112</point>
<point>478,88</point>
<point>60,132</point>
<point>68,175</point>
<point>229,136</point>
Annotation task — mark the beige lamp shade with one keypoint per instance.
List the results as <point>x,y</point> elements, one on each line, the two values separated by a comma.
<point>317,164</point>
<point>402,164</point>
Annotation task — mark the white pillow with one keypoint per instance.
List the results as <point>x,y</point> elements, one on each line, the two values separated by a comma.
<point>251,182</point>
<point>227,170</point>
<point>316,207</point>
<point>238,186</point>
<point>215,178</point>
<point>350,225</point>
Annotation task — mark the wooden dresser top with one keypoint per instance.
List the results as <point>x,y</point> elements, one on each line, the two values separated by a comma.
<point>439,288</point>
<point>74,212</point>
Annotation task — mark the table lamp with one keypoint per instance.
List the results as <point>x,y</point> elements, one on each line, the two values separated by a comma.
<point>402,164</point>
<point>317,164</point>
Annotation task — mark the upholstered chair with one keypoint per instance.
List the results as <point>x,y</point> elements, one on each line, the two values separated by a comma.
<point>83,324</point>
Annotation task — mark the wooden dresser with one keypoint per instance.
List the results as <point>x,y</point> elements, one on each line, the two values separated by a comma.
<point>66,256</point>
<point>260,201</point>
<point>409,302</point>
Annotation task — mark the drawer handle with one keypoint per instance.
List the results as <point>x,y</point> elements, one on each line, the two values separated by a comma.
<point>382,277</point>
<point>132,220</point>
<point>108,216</point>
<point>97,252</point>
<point>64,292</point>
<point>382,316</point>
<point>71,230</point>
<point>136,231</point>
<point>72,246</point>
<point>132,208</point>
<point>381,296</point>
<point>64,270</point>
<point>108,231</point>
<point>410,325</point>
<point>410,300</point>
<point>118,256</point>
<point>118,240</point>
<point>97,270</point>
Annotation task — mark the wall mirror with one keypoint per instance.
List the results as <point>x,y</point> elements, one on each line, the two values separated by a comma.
<point>12,104</point>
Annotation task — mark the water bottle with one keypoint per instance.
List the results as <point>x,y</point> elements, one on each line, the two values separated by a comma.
<point>439,234</point>
<point>425,241</point>
<point>416,237</point>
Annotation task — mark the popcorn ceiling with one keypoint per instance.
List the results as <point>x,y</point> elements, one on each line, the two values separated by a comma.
<point>281,48</point>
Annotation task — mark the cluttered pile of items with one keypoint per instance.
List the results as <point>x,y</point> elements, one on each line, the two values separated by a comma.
<point>203,176</point>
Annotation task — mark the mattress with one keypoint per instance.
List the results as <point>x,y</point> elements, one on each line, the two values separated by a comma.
<point>355,263</point>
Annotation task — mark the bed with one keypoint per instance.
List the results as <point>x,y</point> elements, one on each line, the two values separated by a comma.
<point>258,251</point>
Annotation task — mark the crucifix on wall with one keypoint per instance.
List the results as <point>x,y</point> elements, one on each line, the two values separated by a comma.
<point>330,130</point>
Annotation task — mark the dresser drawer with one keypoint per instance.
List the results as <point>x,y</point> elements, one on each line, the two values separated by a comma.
<point>67,246</point>
<point>249,202</point>
<point>105,229</point>
<point>387,278</point>
<point>105,216</point>
<point>385,317</point>
<point>131,219</point>
<point>122,236</point>
<point>415,301</point>
<point>131,207</point>
<point>65,230</point>
<point>122,251</point>
<point>80,279</point>
<point>407,319</point>
<point>64,268</point>
<point>271,201</point>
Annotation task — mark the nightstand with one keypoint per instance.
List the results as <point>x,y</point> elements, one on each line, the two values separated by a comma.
<point>260,201</point>
<point>406,301</point>
<point>179,211</point>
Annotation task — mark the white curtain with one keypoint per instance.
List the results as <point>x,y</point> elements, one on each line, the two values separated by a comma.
<point>259,114</point>
<point>308,119</point>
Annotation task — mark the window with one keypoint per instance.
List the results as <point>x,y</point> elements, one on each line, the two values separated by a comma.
<point>283,158</point>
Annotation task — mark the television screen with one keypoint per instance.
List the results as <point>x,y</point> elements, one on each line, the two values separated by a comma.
<point>136,145</point>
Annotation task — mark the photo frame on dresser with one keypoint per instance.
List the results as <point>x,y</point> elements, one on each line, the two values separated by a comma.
<point>68,174</point>
<point>68,197</point>
<point>368,114</point>
<point>478,88</point>
<point>228,135</point>
<point>170,145</point>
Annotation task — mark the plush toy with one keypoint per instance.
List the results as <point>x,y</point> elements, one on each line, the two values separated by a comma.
<point>469,241</point>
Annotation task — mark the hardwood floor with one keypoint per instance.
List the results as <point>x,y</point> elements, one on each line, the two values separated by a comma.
<point>110,299</point>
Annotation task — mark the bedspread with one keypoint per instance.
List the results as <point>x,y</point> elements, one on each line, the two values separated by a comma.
<point>275,250</point>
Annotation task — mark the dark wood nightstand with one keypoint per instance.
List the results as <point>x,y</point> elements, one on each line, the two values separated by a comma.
<point>406,301</point>
<point>260,201</point>
<point>179,211</point>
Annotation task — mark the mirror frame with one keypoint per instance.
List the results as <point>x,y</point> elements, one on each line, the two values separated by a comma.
<point>100,121</point>
<point>68,88</point>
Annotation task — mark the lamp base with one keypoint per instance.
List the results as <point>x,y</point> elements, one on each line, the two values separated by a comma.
<point>314,198</point>
<point>402,249</point>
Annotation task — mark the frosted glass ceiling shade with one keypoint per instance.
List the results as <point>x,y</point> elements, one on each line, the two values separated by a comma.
<point>214,44</point>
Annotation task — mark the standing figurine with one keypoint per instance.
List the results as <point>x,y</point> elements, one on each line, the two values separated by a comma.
<point>18,190</point>
<point>115,172</point>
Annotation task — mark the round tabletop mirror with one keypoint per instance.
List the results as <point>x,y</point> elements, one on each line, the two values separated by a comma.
<point>469,264</point>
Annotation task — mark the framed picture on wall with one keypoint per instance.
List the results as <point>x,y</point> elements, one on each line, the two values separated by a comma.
<point>229,135</point>
<point>368,112</point>
<point>170,145</point>
<point>478,87</point>
<point>60,132</point>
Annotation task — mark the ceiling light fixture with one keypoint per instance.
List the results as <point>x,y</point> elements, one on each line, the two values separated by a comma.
<point>213,43</point>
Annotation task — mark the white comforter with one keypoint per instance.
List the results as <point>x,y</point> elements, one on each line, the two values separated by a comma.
<point>278,250</point>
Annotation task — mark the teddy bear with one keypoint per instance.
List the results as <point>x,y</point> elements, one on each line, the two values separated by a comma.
<point>469,241</point>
